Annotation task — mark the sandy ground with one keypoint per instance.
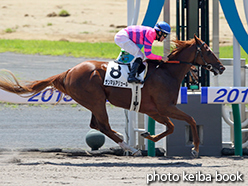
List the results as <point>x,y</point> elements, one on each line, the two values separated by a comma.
<point>92,21</point>
<point>35,168</point>
<point>96,21</point>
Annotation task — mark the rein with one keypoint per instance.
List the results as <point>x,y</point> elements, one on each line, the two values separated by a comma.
<point>162,62</point>
<point>198,51</point>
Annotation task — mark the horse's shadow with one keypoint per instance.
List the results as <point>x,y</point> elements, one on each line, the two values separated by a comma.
<point>118,164</point>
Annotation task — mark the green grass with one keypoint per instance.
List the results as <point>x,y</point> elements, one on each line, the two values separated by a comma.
<point>42,47</point>
<point>64,13</point>
<point>227,52</point>
<point>85,49</point>
<point>11,105</point>
<point>9,30</point>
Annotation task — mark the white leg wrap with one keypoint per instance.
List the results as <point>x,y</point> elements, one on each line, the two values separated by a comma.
<point>119,135</point>
<point>129,148</point>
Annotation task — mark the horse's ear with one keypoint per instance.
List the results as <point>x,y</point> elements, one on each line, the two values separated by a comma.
<point>196,38</point>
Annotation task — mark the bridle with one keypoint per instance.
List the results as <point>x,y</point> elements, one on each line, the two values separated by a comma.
<point>199,51</point>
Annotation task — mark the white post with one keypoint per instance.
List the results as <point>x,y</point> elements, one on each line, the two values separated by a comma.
<point>215,39</point>
<point>243,112</point>
<point>141,125</point>
<point>131,126</point>
<point>166,43</point>
<point>136,13</point>
<point>236,70</point>
<point>246,9</point>
<point>132,19</point>
<point>130,118</point>
<point>167,19</point>
<point>236,63</point>
<point>130,11</point>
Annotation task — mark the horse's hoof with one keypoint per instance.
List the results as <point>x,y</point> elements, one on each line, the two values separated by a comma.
<point>137,153</point>
<point>145,134</point>
<point>195,153</point>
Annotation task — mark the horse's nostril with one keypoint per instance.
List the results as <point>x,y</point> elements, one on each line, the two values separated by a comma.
<point>222,68</point>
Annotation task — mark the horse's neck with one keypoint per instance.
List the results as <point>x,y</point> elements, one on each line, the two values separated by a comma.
<point>181,69</point>
<point>178,71</point>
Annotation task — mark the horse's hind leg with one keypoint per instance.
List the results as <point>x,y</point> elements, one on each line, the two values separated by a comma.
<point>93,122</point>
<point>100,122</point>
<point>95,125</point>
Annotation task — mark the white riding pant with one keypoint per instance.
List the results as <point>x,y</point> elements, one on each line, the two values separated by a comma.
<point>123,41</point>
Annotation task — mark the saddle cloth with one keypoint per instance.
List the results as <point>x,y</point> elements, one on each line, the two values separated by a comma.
<point>117,74</point>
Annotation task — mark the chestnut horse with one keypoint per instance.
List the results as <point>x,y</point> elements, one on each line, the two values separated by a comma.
<point>84,83</point>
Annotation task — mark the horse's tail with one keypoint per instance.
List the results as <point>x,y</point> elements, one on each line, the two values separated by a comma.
<point>33,87</point>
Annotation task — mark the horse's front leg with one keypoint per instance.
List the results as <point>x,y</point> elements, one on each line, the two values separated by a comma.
<point>174,112</point>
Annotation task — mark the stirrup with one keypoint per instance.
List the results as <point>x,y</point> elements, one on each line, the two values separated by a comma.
<point>133,80</point>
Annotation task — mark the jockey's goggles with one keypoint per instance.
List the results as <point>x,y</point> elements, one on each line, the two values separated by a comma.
<point>165,35</point>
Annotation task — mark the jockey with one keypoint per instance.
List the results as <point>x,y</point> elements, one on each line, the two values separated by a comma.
<point>129,37</point>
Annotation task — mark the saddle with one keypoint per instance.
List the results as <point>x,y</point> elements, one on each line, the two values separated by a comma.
<point>141,68</point>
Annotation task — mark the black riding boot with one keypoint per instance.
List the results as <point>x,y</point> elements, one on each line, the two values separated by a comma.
<point>131,78</point>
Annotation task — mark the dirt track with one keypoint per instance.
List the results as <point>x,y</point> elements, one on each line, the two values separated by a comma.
<point>35,168</point>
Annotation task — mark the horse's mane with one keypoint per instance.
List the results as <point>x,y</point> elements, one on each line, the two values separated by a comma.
<point>179,45</point>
